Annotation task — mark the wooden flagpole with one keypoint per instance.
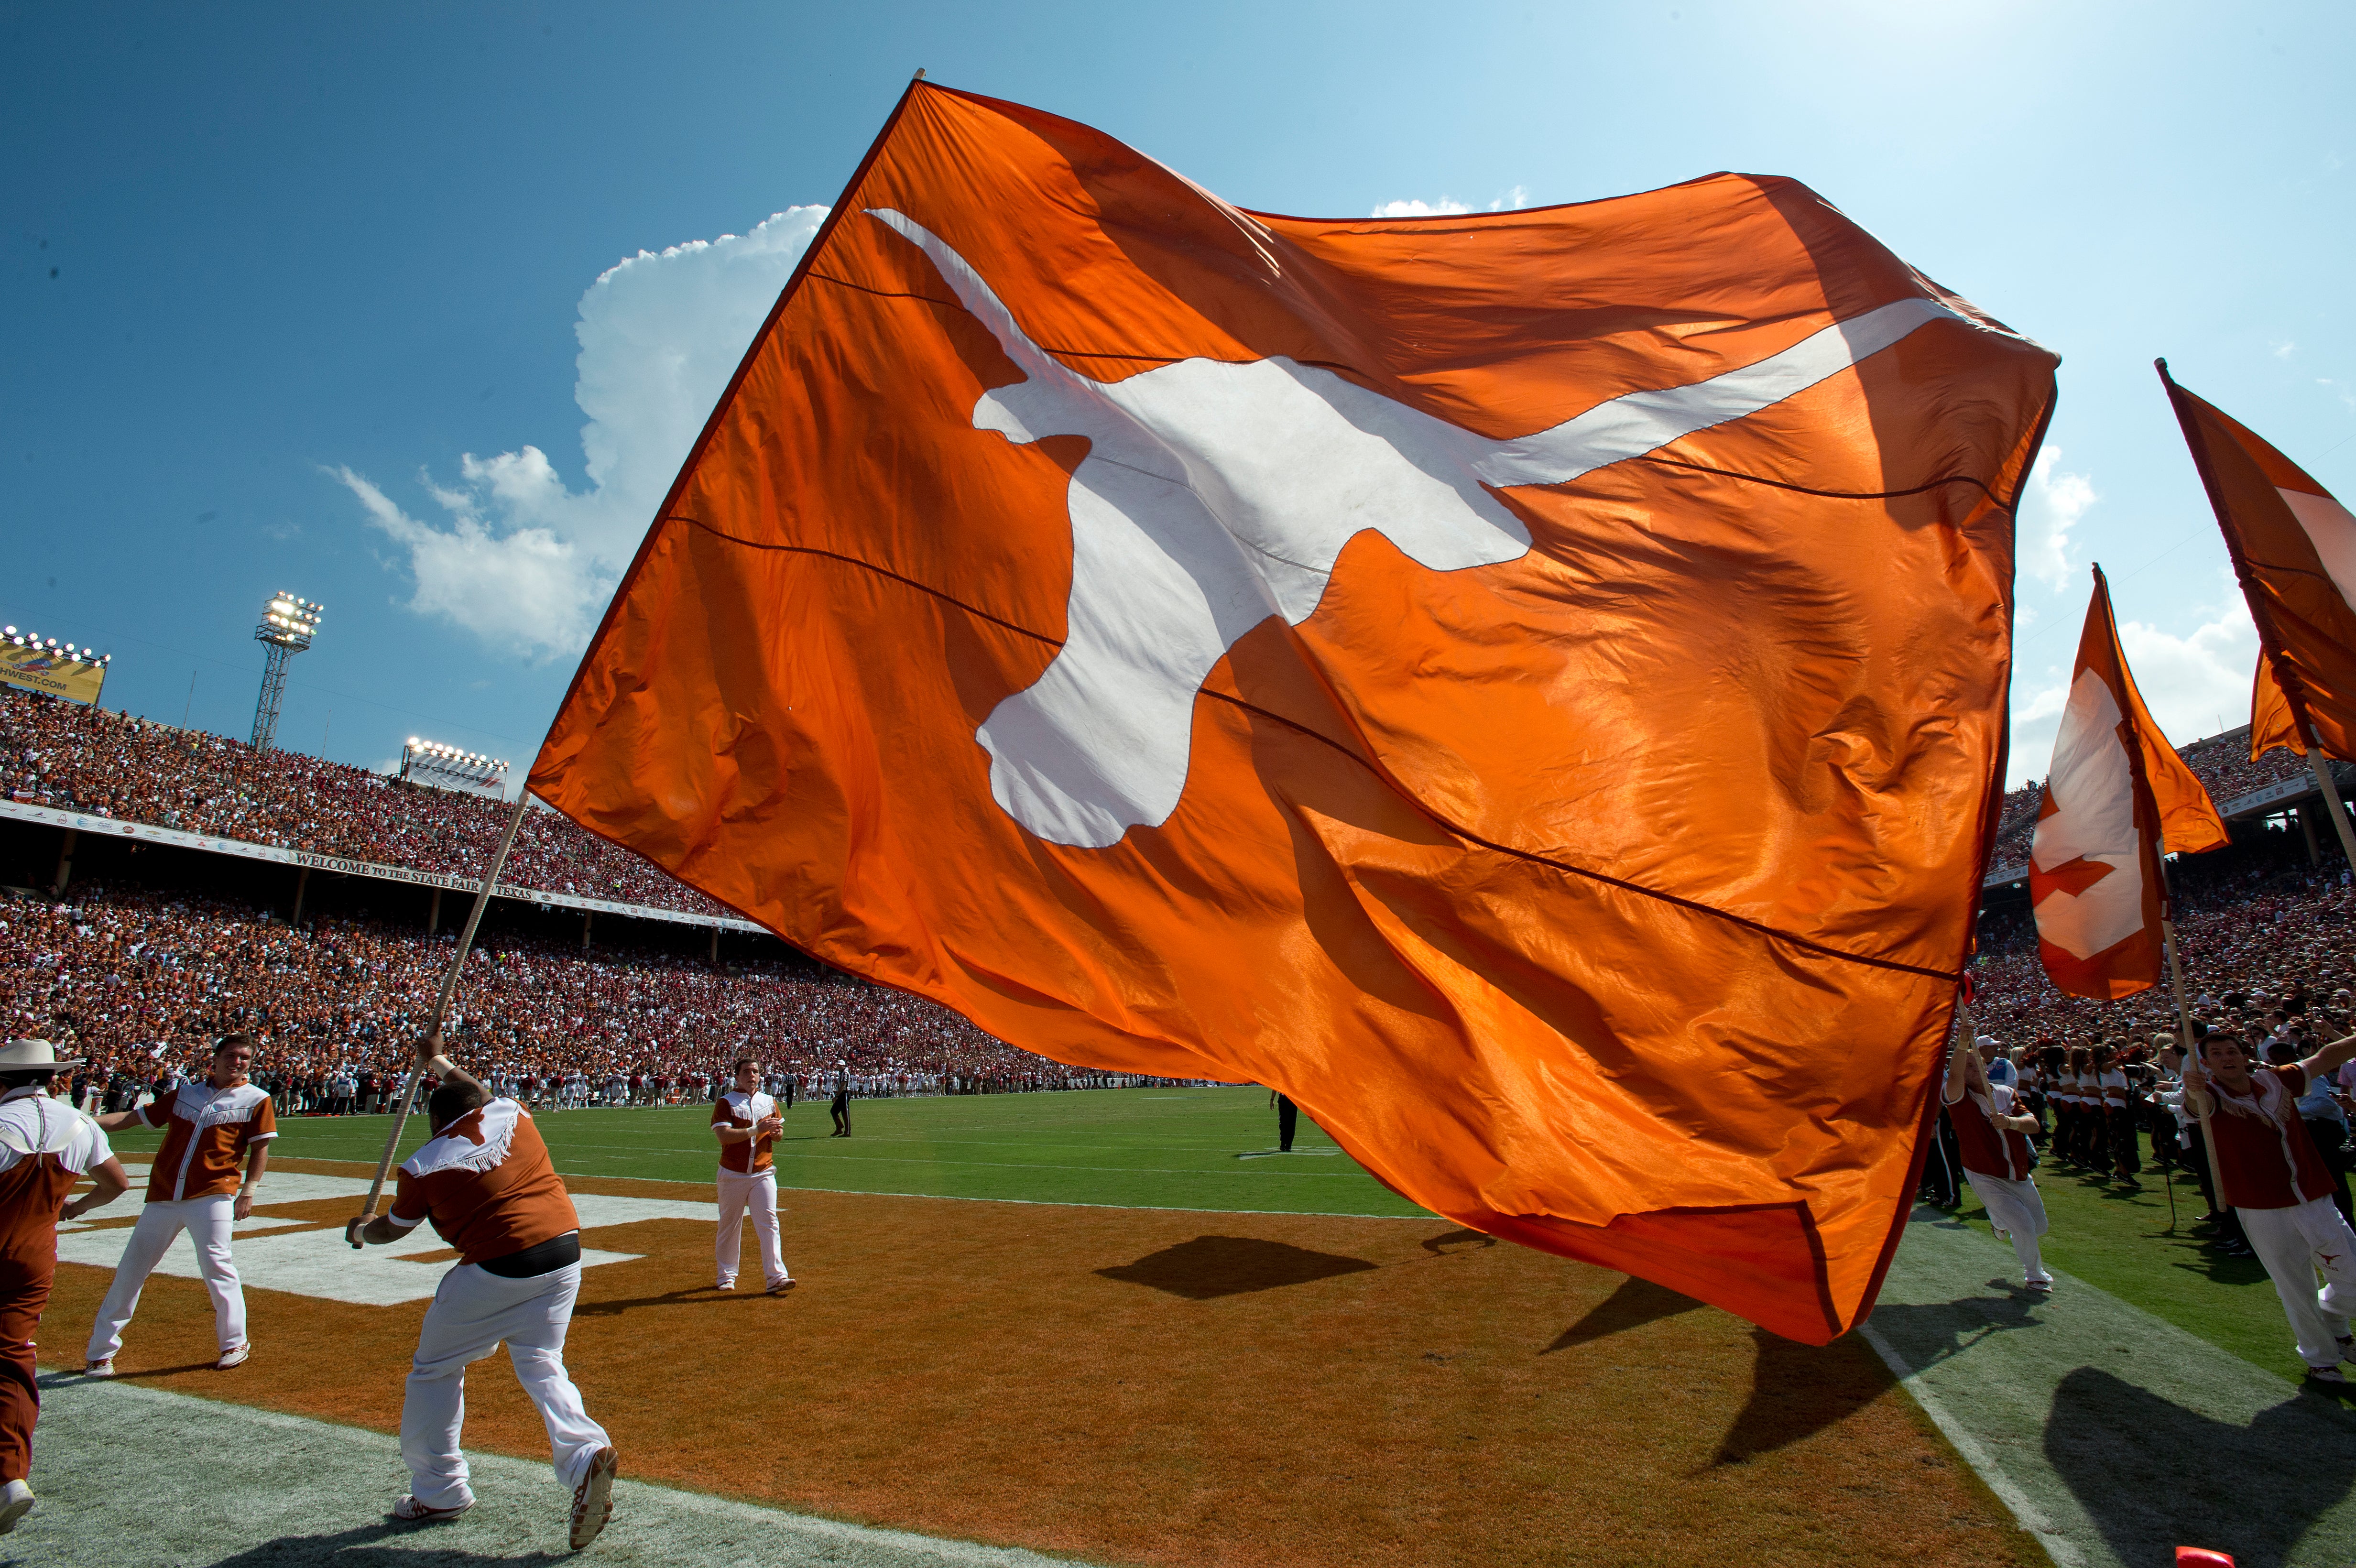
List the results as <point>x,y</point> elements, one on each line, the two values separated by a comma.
<point>442,1007</point>
<point>2330,788</point>
<point>2191,1047</point>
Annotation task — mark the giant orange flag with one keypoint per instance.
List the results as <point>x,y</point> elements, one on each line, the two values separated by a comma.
<point>2117,797</point>
<point>1529,686</point>
<point>2294,549</point>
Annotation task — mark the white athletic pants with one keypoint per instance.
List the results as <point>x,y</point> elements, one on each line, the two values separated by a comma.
<point>2295,1243</point>
<point>739,1192</point>
<point>2018,1209</point>
<point>207,1221</point>
<point>472,1312</point>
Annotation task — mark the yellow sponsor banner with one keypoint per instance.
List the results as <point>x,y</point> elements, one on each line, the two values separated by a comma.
<point>46,669</point>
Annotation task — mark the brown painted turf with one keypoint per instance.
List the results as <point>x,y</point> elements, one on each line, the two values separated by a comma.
<point>1148,1387</point>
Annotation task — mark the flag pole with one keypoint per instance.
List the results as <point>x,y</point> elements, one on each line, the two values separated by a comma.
<point>2192,1050</point>
<point>2330,788</point>
<point>442,1006</point>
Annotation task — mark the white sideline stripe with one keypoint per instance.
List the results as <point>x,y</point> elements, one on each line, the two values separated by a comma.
<point>2058,1546</point>
<point>302,1483</point>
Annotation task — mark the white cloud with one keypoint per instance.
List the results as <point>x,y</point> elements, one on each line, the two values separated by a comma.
<point>2195,685</point>
<point>519,588</point>
<point>518,558</point>
<point>2285,349</point>
<point>1448,207</point>
<point>2055,502</point>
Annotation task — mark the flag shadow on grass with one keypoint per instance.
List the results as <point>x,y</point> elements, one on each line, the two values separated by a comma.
<point>1797,1390</point>
<point>1636,1303</point>
<point>2256,1492</point>
<point>1211,1266</point>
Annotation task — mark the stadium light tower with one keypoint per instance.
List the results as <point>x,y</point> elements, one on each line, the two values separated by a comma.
<point>448,767</point>
<point>287,626</point>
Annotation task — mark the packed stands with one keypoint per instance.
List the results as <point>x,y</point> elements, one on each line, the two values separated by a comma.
<point>2221,762</point>
<point>89,759</point>
<point>141,980</point>
<point>2254,919</point>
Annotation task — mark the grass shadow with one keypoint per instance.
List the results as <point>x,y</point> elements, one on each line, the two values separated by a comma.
<point>2102,1430</point>
<point>1636,1303</point>
<point>1797,1390</point>
<point>702,1294</point>
<point>370,1546</point>
<point>1457,1241</point>
<point>1211,1266</point>
<point>1933,1331</point>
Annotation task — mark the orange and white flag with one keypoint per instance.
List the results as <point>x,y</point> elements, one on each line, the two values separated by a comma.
<point>2294,549</point>
<point>2117,797</point>
<point>1529,686</point>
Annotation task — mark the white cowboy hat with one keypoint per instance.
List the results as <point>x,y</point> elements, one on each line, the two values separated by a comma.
<point>23,1053</point>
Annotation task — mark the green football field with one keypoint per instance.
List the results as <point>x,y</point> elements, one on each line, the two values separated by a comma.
<point>1215,1149</point>
<point>1127,1148</point>
<point>2120,1240</point>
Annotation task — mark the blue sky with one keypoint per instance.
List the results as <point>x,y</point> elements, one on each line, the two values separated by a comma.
<point>309,298</point>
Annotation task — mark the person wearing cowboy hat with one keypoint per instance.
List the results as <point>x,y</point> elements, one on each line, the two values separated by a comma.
<point>46,1147</point>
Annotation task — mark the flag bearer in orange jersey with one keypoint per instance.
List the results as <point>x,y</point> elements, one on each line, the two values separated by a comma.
<point>46,1146</point>
<point>746,1123</point>
<point>485,1180</point>
<point>209,1127</point>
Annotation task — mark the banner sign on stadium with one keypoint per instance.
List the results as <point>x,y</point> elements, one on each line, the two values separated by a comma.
<point>46,669</point>
<point>83,822</point>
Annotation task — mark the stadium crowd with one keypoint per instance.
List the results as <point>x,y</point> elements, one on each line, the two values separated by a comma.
<point>140,981</point>
<point>2222,763</point>
<point>59,753</point>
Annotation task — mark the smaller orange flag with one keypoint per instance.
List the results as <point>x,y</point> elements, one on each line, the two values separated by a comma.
<point>2294,549</point>
<point>2117,798</point>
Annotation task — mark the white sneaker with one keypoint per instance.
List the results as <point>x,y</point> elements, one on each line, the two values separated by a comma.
<point>2043,1286</point>
<point>593,1500</point>
<point>237,1355</point>
<point>103,1368</point>
<point>16,1502</point>
<point>409,1510</point>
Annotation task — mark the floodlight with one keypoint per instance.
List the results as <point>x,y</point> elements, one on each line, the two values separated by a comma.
<point>285,630</point>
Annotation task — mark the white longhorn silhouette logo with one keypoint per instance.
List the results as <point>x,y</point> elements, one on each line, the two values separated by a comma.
<point>1216,494</point>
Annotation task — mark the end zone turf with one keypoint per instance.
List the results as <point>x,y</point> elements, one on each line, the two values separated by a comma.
<point>1160,1386</point>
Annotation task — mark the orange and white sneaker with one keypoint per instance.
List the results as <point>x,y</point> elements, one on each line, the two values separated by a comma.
<point>237,1355</point>
<point>593,1500</point>
<point>101,1367</point>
